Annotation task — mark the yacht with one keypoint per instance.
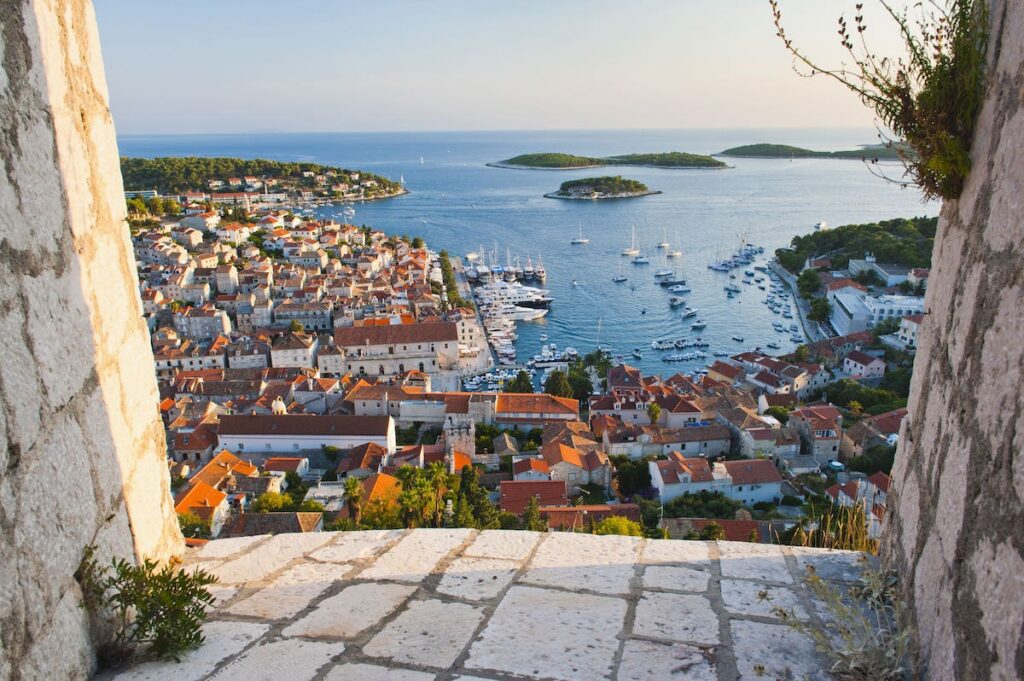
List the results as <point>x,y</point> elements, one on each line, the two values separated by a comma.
<point>528,270</point>
<point>539,272</point>
<point>661,274</point>
<point>674,253</point>
<point>664,244</point>
<point>698,325</point>
<point>618,279</point>
<point>732,288</point>
<point>676,301</point>
<point>774,346</point>
<point>669,282</point>
<point>679,288</point>
<point>689,312</point>
<point>580,240</point>
<point>632,250</point>
<point>514,293</point>
<point>641,260</point>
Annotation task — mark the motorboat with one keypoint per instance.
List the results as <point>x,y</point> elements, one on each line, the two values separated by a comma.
<point>689,312</point>
<point>641,260</point>
<point>676,301</point>
<point>698,325</point>
<point>661,274</point>
<point>668,282</point>
<point>618,279</point>
<point>674,254</point>
<point>637,353</point>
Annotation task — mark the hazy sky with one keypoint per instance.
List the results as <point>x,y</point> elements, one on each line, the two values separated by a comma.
<point>192,66</point>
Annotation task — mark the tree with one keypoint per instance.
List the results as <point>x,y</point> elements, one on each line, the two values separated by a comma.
<point>821,309</point>
<point>270,502</point>
<point>311,506</point>
<point>155,205</point>
<point>296,326</point>
<point>703,504</point>
<point>779,413</point>
<point>712,531</point>
<point>558,384</point>
<point>632,475</point>
<point>354,498</point>
<point>192,526</point>
<point>808,283</point>
<point>137,206</point>
<point>417,242</point>
<point>617,524</point>
<point>654,412</point>
<point>522,383</point>
<point>801,354</point>
<point>754,537</point>
<point>532,519</point>
<point>171,207</point>
<point>856,408</point>
<point>885,327</point>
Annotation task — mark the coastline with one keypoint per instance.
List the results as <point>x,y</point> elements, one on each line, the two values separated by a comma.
<point>603,197</point>
<point>509,166</point>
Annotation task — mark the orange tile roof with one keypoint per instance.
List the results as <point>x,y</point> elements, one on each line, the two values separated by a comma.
<point>198,497</point>
<point>531,403</point>
<point>515,494</point>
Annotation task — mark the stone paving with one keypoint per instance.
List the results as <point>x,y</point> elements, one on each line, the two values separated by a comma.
<point>502,605</point>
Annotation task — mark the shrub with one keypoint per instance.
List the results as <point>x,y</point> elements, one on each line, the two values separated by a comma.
<point>617,524</point>
<point>712,531</point>
<point>151,610</point>
<point>790,500</point>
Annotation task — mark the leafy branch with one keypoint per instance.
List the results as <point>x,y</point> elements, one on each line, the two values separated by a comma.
<point>930,97</point>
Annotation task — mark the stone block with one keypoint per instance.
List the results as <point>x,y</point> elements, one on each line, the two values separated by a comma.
<point>431,633</point>
<point>676,551</point>
<point>774,651</point>
<point>744,560</point>
<point>655,661</point>
<point>828,563</point>
<point>226,548</point>
<point>676,617</point>
<point>349,546</point>
<point>585,561</point>
<point>269,557</point>
<point>564,625</point>
<point>745,598</point>
<point>290,592</point>
<point>223,640</point>
<point>357,671</point>
<point>477,578</point>
<point>416,555</point>
<point>292,659</point>
<point>507,544</point>
<point>353,610</point>
<point>675,578</point>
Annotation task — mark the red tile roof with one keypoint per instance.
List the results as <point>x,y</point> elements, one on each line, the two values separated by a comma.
<point>751,471</point>
<point>515,494</point>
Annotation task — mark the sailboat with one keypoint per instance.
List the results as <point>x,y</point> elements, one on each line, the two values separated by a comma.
<point>664,244</point>
<point>620,277</point>
<point>580,240</point>
<point>632,250</point>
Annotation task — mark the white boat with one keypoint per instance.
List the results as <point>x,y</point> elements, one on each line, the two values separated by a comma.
<point>543,337</point>
<point>539,272</point>
<point>664,244</point>
<point>674,254</point>
<point>637,353</point>
<point>774,346</point>
<point>632,250</point>
<point>641,260</point>
<point>661,274</point>
<point>580,240</point>
<point>679,288</point>
<point>618,279</point>
<point>676,301</point>
<point>689,312</point>
<point>699,324</point>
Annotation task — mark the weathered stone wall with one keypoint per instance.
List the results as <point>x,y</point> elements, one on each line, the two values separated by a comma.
<point>81,444</point>
<point>957,519</point>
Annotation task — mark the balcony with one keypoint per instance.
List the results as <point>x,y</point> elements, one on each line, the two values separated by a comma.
<point>432,604</point>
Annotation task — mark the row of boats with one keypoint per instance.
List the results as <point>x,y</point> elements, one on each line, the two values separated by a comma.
<point>513,270</point>
<point>501,304</point>
<point>743,256</point>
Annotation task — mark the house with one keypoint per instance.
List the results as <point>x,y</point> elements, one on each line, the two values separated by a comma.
<point>304,432</point>
<point>700,439</point>
<point>393,349</point>
<point>724,372</point>
<point>907,333</point>
<point>255,524</point>
<point>295,350</point>
<point>747,481</point>
<point>821,431</point>
<point>206,503</point>
<point>530,468</point>
<point>625,381</point>
<point>882,429</point>
<point>516,494</point>
<point>583,517</point>
<point>362,461</point>
<point>577,467</point>
<point>869,492</point>
<point>379,490</point>
<point>287,464</point>
<point>223,472</point>
<point>860,365</point>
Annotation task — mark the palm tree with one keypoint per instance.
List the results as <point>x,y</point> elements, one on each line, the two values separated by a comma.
<point>354,498</point>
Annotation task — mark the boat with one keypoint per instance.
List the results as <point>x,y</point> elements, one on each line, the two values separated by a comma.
<point>539,272</point>
<point>676,301</point>
<point>664,244</point>
<point>662,274</point>
<point>732,288</point>
<point>679,288</point>
<point>669,282</point>
<point>738,339</point>
<point>774,346</point>
<point>676,253</point>
<point>641,260</point>
<point>580,240</point>
<point>689,312</point>
<point>818,226</point>
<point>618,279</point>
<point>699,324</point>
<point>543,337</point>
<point>637,353</point>
<point>632,250</point>
<point>575,283</point>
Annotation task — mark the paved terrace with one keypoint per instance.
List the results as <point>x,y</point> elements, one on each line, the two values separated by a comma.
<point>416,605</point>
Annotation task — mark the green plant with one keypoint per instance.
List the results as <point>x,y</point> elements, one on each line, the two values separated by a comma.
<point>866,633</point>
<point>151,610</point>
<point>712,531</point>
<point>930,97</point>
<point>838,527</point>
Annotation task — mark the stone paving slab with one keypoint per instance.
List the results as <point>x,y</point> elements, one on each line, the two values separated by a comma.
<point>502,606</point>
<point>430,633</point>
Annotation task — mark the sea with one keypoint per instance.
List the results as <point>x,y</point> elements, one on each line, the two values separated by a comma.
<point>458,203</point>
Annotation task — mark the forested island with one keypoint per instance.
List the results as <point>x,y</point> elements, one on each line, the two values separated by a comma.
<point>764,150</point>
<point>596,188</point>
<point>905,241</point>
<point>560,161</point>
<point>174,175</point>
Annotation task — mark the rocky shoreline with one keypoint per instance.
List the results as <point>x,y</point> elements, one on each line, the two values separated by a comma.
<point>599,197</point>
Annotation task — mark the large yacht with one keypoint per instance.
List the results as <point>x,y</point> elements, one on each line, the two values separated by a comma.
<point>513,293</point>
<point>580,240</point>
<point>632,250</point>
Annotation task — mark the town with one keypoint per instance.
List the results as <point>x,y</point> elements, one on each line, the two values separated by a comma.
<point>312,377</point>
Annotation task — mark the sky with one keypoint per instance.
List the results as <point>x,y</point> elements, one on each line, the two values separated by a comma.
<point>195,66</point>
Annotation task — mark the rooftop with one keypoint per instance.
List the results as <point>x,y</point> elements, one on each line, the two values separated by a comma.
<point>458,603</point>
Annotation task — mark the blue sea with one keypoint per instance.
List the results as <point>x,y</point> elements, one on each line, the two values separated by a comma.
<point>456,202</point>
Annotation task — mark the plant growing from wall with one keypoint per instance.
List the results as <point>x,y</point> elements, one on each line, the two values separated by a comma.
<point>930,97</point>
<point>151,611</point>
<point>865,632</point>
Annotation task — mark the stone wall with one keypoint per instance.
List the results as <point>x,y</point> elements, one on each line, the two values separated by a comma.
<point>957,519</point>
<point>81,444</point>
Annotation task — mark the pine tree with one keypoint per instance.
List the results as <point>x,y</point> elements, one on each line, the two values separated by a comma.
<point>531,516</point>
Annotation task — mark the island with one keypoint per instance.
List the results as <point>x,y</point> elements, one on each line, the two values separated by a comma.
<point>599,188</point>
<point>560,161</point>
<point>216,179</point>
<point>765,150</point>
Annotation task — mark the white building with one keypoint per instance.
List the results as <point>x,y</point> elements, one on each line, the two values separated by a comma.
<point>749,481</point>
<point>304,432</point>
<point>295,350</point>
